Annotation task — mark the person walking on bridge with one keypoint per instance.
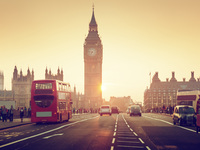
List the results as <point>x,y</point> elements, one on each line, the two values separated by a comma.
<point>11,111</point>
<point>4,114</point>
<point>21,114</point>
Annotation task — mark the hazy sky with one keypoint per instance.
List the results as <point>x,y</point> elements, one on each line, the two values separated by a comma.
<point>138,37</point>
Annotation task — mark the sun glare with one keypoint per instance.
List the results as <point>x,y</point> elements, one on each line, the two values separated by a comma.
<point>103,88</point>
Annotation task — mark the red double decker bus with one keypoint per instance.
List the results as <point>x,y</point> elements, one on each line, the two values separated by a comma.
<point>50,101</point>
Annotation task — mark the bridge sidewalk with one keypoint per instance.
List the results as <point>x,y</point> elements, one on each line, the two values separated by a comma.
<point>17,122</point>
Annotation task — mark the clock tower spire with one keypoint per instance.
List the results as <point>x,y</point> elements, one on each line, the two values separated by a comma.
<point>93,55</point>
<point>93,24</point>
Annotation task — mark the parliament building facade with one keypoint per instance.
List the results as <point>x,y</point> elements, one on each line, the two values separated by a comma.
<point>162,94</point>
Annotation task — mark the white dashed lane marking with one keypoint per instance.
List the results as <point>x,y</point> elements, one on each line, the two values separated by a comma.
<point>125,138</point>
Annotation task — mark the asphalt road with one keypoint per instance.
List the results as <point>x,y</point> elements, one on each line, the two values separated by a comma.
<point>92,132</point>
<point>164,135</point>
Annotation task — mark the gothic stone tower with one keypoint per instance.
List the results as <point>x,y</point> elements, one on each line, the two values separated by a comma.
<point>93,54</point>
<point>21,87</point>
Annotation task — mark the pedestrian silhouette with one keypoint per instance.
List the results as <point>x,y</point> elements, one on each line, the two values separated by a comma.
<point>11,113</point>
<point>21,114</point>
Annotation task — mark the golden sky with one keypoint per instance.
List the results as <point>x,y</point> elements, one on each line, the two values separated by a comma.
<point>138,37</point>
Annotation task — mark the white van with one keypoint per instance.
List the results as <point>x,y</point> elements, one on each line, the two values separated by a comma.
<point>105,109</point>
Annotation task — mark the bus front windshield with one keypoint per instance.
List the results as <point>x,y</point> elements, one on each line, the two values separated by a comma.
<point>43,100</point>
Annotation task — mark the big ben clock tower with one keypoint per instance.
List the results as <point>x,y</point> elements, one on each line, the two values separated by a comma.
<point>93,54</point>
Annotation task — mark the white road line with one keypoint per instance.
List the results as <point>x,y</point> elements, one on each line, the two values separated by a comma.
<point>112,148</point>
<point>127,141</point>
<point>130,146</point>
<point>1,146</point>
<point>117,117</point>
<point>114,134</point>
<point>159,120</point>
<point>47,137</point>
<point>148,147</point>
<point>113,141</point>
<point>187,129</point>
<point>171,124</point>
<point>135,134</point>
<point>141,140</point>
<point>128,137</point>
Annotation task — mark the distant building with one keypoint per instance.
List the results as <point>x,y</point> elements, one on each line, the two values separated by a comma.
<point>80,101</point>
<point>75,99</point>
<point>58,76</point>
<point>121,102</point>
<point>21,87</point>
<point>1,81</point>
<point>162,94</point>
<point>6,95</point>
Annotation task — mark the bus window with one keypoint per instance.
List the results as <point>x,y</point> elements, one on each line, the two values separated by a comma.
<point>43,86</point>
<point>67,96</point>
<point>43,100</point>
<point>62,105</point>
<point>64,87</point>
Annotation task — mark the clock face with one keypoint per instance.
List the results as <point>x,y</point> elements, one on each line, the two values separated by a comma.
<point>92,52</point>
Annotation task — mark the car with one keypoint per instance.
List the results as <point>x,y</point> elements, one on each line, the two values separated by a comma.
<point>114,109</point>
<point>105,109</point>
<point>135,110</point>
<point>184,114</point>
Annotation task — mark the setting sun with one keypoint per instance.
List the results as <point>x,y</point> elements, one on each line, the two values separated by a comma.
<point>103,88</point>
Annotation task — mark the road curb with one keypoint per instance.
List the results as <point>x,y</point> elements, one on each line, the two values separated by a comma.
<point>12,126</point>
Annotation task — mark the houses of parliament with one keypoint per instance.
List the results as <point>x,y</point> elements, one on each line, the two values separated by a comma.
<point>21,86</point>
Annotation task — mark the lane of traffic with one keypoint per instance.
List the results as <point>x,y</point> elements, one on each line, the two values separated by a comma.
<point>165,135</point>
<point>124,137</point>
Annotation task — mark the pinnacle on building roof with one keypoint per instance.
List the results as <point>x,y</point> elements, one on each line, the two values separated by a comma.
<point>93,21</point>
<point>155,77</point>
<point>58,72</point>
<point>192,79</point>
<point>93,31</point>
<point>93,24</point>
<point>173,79</point>
<point>28,71</point>
<point>15,69</point>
